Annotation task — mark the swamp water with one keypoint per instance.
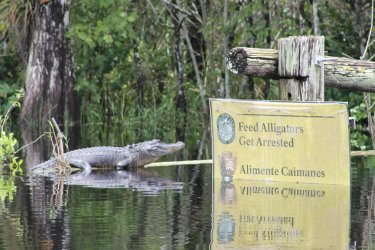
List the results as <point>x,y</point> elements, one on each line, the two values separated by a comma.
<point>171,208</point>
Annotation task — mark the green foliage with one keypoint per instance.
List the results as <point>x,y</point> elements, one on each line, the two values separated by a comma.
<point>360,138</point>
<point>9,162</point>
<point>13,24</point>
<point>8,143</point>
<point>13,20</point>
<point>10,82</point>
<point>107,36</point>
<point>14,17</point>
<point>7,188</point>
<point>106,44</point>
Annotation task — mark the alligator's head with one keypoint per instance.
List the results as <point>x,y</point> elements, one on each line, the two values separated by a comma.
<point>150,151</point>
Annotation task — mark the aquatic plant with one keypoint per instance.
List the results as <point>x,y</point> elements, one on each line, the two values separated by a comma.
<point>8,143</point>
<point>7,188</point>
<point>8,152</point>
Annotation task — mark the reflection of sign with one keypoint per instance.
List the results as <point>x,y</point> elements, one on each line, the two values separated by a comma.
<point>225,228</point>
<point>228,194</point>
<point>225,128</point>
<point>280,215</point>
<point>280,141</point>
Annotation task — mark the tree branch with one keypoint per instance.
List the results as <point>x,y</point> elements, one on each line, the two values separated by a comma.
<point>370,31</point>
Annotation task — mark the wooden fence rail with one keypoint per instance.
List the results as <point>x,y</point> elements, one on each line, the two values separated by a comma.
<point>339,72</point>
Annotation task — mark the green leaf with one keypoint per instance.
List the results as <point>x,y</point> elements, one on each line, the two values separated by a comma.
<point>108,39</point>
<point>132,17</point>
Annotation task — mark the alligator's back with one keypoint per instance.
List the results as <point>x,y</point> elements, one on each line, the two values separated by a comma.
<point>95,156</point>
<point>98,156</point>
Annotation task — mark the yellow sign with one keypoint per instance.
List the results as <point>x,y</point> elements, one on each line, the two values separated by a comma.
<point>280,141</point>
<point>279,215</point>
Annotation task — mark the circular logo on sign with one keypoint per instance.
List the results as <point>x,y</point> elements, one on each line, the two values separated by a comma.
<point>225,128</point>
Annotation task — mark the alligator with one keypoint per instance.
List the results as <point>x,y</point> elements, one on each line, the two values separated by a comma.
<point>128,157</point>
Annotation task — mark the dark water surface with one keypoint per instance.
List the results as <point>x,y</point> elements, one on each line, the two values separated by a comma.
<point>159,208</point>
<point>153,209</point>
<point>362,223</point>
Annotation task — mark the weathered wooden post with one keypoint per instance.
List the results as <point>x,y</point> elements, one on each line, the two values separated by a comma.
<point>304,73</point>
<point>301,78</point>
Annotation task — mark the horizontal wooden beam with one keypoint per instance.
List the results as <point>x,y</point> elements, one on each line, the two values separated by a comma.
<point>254,62</point>
<point>209,161</point>
<point>362,153</point>
<point>339,72</point>
<point>178,163</point>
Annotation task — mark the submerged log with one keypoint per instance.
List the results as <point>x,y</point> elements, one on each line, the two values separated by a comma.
<point>339,72</point>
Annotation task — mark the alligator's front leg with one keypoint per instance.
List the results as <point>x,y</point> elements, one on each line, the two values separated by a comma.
<point>122,164</point>
<point>84,165</point>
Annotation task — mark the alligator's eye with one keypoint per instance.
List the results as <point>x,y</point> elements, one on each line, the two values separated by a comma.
<point>155,151</point>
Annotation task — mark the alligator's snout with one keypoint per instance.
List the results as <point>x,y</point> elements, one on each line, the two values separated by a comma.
<point>178,145</point>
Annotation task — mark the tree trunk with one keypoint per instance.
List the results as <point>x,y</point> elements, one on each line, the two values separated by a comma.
<point>315,18</point>
<point>50,75</point>
<point>360,8</point>
<point>181,105</point>
<point>140,91</point>
<point>225,45</point>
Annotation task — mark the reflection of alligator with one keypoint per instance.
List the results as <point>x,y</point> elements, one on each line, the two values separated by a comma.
<point>131,156</point>
<point>138,181</point>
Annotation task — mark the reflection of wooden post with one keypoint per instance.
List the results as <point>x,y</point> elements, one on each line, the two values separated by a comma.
<point>301,79</point>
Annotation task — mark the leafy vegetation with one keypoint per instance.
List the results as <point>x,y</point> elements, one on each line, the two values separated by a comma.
<point>9,144</point>
<point>9,161</point>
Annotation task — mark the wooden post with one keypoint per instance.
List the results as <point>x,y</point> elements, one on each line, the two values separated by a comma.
<point>301,78</point>
<point>346,73</point>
